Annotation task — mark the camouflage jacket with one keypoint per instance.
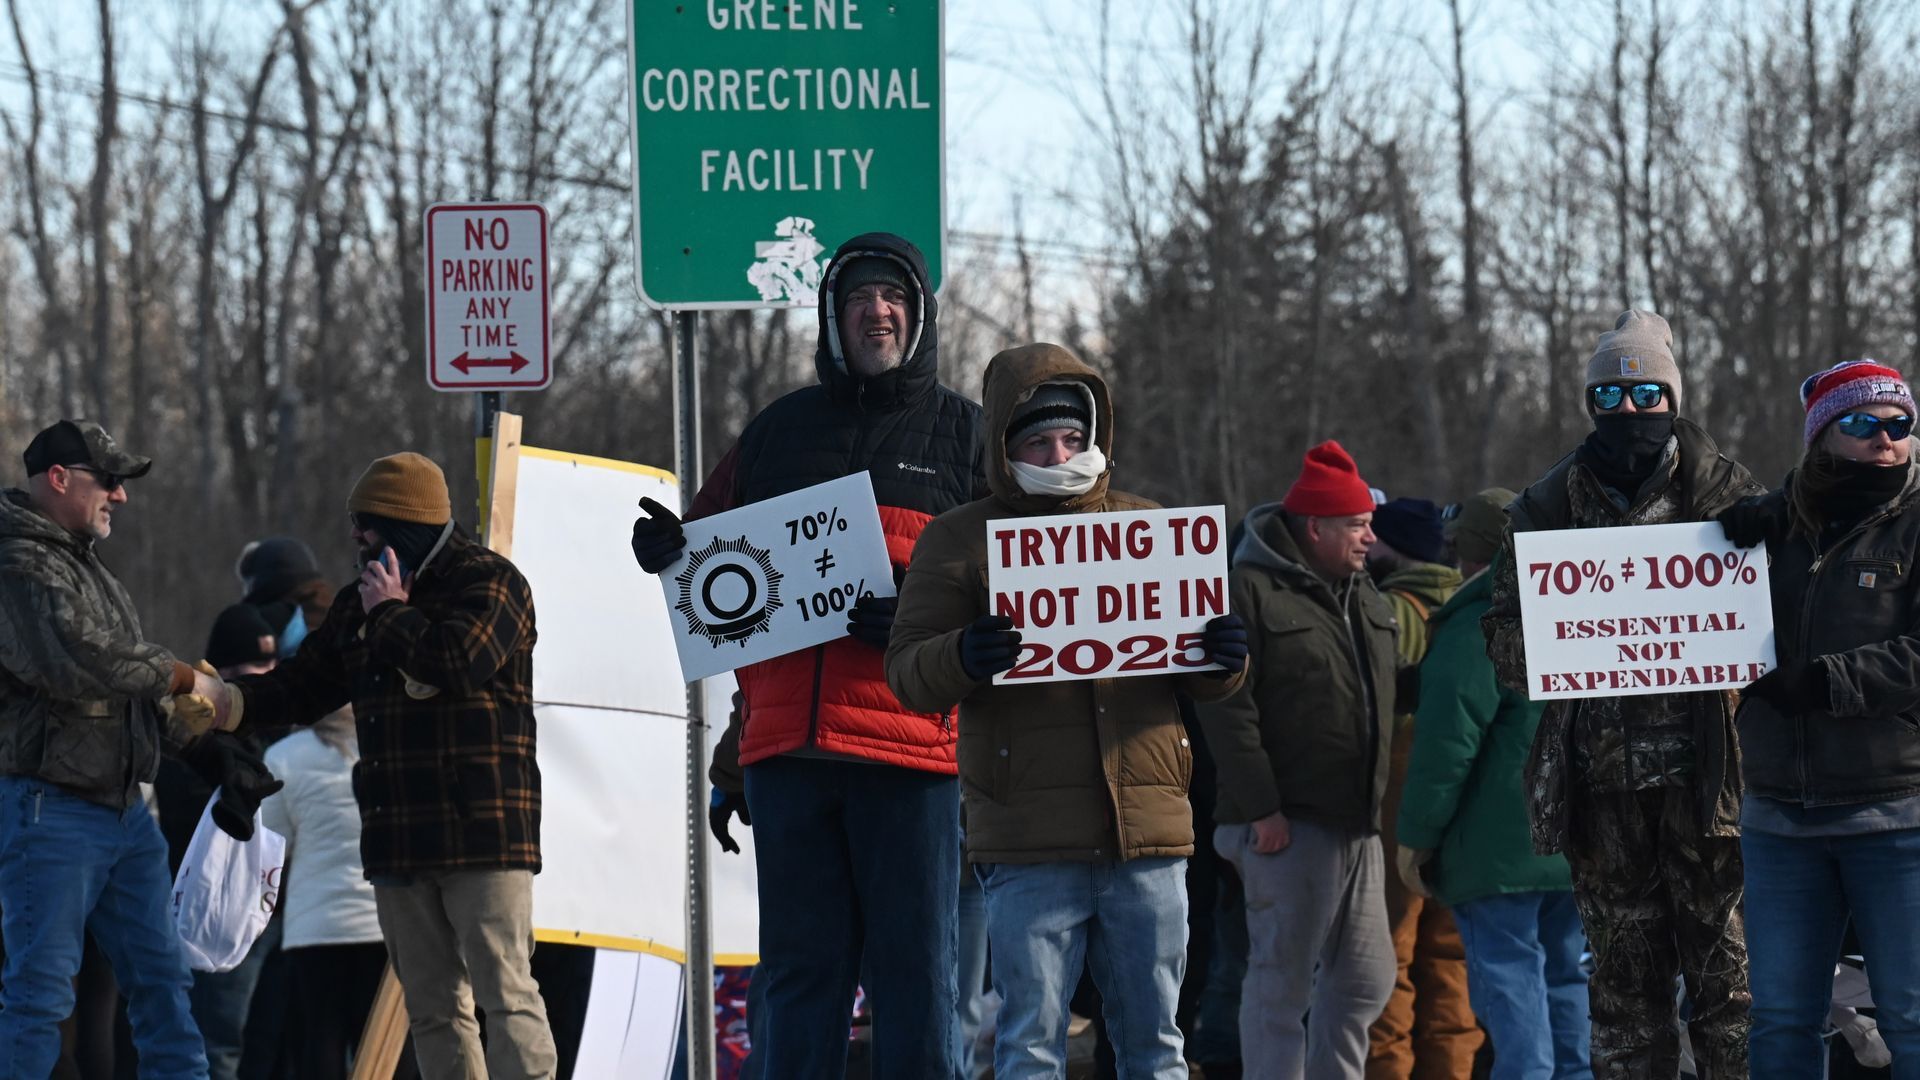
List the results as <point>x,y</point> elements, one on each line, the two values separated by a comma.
<point>78,685</point>
<point>1631,742</point>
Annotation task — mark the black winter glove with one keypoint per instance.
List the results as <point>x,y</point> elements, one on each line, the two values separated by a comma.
<point>723,805</point>
<point>988,647</point>
<point>871,619</point>
<point>229,764</point>
<point>1795,690</point>
<point>1225,639</point>
<point>658,538</point>
<point>1754,519</point>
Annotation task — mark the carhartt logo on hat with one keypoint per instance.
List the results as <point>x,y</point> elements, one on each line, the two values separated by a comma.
<point>1640,346</point>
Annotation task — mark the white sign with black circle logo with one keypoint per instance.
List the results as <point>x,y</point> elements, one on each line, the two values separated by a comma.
<point>777,576</point>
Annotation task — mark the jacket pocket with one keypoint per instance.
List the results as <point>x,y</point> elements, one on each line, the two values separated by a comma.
<point>1874,595</point>
<point>81,746</point>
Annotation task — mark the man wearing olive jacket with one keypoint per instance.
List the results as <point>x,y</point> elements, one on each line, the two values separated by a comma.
<point>1078,825</point>
<point>1303,750</point>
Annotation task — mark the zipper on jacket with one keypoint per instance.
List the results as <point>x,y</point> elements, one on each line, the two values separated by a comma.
<point>1367,697</point>
<point>1806,628</point>
<point>813,711</point>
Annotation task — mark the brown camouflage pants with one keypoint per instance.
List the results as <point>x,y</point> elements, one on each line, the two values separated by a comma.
<point>1659,899</point>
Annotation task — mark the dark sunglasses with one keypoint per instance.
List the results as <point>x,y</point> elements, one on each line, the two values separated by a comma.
<point>1645,395</point>
<point>1859,425</point>
<point>108,481</point>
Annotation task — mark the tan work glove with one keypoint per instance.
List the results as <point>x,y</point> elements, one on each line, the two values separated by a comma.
<point>1408,861</point>
<point>227,701</point>
<point>191,711</point>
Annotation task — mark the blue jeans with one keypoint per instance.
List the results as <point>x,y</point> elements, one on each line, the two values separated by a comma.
<point>1526,985</point>
<point>973,969</point>
<point>1049,921</point>
<point>855,858</point>
<point>69,867</point>
<point>1800,891</point>
<point>222,1000</point>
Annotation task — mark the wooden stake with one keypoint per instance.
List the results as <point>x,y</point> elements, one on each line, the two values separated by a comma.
<point>505,473</point>
<point>385,1034</point>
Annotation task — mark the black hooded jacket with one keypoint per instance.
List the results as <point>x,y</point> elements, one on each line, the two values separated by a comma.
<point>920,443</point>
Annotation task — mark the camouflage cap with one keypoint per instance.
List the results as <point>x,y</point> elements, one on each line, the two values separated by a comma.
<point>82,442</point>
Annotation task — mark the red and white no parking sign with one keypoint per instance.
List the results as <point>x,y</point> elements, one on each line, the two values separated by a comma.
<point>489,317</point>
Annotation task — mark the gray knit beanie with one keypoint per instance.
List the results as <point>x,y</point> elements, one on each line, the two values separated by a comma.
<point>1638,349</point>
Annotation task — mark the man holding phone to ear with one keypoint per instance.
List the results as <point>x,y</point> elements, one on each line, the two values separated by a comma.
<point>433,648</point>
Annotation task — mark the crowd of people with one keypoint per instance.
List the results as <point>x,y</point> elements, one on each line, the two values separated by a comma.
<point>1348,844</point>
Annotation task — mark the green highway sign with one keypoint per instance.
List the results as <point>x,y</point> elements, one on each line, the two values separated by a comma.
<point>766,132</point>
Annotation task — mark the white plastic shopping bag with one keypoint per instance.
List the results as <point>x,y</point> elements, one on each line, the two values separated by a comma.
<point>226,891</point>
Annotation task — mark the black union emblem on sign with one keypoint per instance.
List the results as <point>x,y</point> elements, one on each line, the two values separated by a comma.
<point>729,591</point>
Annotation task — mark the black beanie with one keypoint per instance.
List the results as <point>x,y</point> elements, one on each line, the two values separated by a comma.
<point>241,635</point>
<point>1052,405</point>
<point>270,569</point>
<point>869,270</point>
<point>1412,528</point>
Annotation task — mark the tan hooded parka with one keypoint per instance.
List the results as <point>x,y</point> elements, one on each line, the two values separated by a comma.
<point>1092,770</point>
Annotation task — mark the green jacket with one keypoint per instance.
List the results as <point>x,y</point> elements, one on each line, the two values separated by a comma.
<point>1464,795</point>
<point>1416,593</point>
<point>1309,731</point>
<point>78,684</point>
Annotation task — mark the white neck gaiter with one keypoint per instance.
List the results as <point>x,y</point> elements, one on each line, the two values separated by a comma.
<point>1074,476</point>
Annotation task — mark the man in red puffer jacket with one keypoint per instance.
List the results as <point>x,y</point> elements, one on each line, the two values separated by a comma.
<point>854,796</point>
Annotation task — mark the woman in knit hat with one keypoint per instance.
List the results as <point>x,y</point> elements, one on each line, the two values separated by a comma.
<point>1830,739</point>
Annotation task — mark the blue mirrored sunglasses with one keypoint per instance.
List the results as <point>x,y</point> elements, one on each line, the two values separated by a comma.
<point>1859,425</point>
<point>1646,395</point>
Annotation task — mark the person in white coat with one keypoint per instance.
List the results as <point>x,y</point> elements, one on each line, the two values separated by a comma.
<point>332,941</point>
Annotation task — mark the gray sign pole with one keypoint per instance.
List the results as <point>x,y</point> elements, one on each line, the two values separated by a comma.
<point>699,967</point>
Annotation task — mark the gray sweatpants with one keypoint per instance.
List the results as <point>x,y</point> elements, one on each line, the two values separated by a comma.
<point>1318,944</point>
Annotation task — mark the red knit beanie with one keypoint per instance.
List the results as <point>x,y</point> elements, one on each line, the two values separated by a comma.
<point>1329,485</point>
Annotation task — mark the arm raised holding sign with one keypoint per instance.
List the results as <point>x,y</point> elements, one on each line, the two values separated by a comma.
<point>1062,780</point>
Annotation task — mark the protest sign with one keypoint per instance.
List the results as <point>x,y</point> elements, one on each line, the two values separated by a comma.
<point>1101,596</point>
<point>1649,609</point>
<point>777,576</point>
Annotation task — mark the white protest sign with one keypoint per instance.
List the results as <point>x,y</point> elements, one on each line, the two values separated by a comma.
<point>1101,596</point>
<point>489,322</point>
<point>777,576</point>
<point>1649,609</point>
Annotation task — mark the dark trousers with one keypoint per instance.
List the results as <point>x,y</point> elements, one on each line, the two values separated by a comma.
<point>855,860</point>
<point>333,989</point>
<point>1660,899</point>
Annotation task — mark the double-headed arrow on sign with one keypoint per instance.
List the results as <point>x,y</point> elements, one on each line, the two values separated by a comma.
<point>513,362</point>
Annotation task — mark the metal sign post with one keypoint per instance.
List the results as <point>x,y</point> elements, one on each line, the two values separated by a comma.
<point>686,466</point>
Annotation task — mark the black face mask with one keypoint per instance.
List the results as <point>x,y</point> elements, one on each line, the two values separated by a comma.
<point>1853,489</point>
<point>1626,446</point>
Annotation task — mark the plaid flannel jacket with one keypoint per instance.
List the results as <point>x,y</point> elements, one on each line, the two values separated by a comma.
<point>442,694</point>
